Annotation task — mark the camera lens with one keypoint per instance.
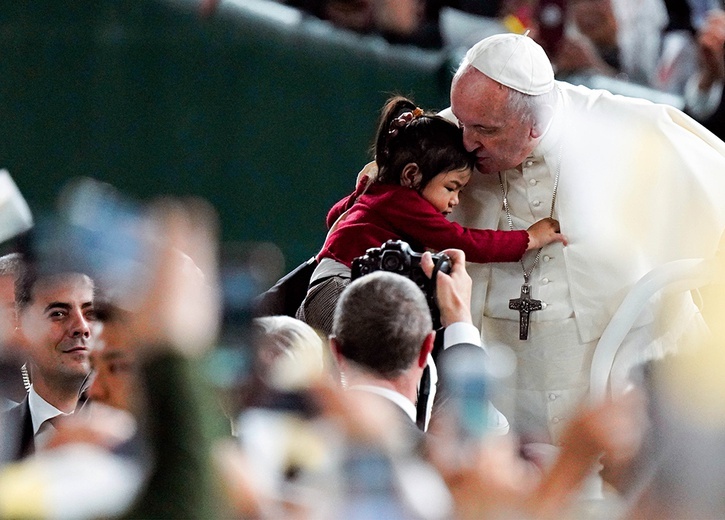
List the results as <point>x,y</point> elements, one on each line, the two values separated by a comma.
<point>391,261</point>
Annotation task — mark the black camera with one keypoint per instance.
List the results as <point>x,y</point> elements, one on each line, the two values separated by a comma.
<point>396,256</point>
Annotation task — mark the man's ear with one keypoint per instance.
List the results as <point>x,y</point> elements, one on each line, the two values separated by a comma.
<point>411,176</point>
<point>16,335</point>
<point>336,354</point>
<point>426,349</point>
<point>542,122</point>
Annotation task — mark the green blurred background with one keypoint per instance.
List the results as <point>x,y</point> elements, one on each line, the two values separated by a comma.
<point>267,116</point>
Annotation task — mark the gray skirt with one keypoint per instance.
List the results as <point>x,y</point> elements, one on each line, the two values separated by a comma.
<point>318,307</point>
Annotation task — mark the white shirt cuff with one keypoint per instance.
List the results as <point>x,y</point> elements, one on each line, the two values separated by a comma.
<point>461,332</point>
<point>497,422</point>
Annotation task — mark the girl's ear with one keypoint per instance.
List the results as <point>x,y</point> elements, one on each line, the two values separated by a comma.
<point>411,176</point>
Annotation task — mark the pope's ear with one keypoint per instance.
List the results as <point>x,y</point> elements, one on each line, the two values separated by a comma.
<point>543,119</point>
<point>411,176</point>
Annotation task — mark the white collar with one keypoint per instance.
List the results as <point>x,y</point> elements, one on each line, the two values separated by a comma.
<point>397,398</point>
<point>40,409</point>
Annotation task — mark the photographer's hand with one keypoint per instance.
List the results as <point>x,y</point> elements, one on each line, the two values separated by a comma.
<point>453,291</point>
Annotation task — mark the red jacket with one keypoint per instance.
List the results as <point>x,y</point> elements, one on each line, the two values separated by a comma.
<point>391,212</point>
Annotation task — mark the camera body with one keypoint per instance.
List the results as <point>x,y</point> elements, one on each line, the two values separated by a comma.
<point>396,256</point>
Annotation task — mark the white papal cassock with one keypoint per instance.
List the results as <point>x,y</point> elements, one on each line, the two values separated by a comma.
<point>640,185</point>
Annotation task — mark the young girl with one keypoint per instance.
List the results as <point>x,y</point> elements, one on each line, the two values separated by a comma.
<point>422,168</point>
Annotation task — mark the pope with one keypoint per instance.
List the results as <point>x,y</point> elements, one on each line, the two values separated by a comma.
<point>633,184</point>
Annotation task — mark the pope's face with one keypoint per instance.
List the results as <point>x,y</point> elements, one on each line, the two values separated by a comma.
<point>494,131</point>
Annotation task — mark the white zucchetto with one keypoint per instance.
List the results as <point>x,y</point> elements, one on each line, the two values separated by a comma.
<point>513,60</point>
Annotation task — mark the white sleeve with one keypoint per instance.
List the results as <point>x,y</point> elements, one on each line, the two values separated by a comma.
<point>461,332</point>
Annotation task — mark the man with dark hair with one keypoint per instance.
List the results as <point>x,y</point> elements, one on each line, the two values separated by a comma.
<point>54,322</point>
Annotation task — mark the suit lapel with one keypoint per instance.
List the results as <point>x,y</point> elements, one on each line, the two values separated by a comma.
<point>18,425</point>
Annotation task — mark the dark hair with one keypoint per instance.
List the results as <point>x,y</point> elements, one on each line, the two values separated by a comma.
<point>28,277</point>
<point>381,321</point>
<point>430,141</point>
<point>11,264</point>
<point>25,280</point>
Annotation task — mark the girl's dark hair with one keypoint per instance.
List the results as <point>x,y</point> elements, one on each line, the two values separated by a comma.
<point>430,141</point>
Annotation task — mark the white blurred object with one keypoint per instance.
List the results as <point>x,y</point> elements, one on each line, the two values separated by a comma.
<point>15,216</point>
<point>678,275</point>
<point>640,24</point>
<point>268,9</point>
<point>73,482</point>
<point>275,441</point>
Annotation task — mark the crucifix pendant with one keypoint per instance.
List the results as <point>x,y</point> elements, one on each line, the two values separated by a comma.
<point>525,305</point>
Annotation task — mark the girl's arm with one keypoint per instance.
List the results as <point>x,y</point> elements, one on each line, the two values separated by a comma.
<point>413,216</point>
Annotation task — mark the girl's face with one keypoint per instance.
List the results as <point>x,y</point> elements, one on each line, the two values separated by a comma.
<point>443,189</point>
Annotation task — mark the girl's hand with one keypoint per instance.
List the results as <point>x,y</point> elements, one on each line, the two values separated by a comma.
<point>545,232</point>
<point>369,172</point>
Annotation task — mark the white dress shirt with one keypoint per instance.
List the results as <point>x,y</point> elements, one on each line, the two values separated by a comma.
<point>41,411</point>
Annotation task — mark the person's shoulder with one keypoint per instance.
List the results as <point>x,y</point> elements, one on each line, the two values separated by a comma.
<point>6,404</point>
<point>583,93</point>
<point>15,409</point>
<point>585,103</point>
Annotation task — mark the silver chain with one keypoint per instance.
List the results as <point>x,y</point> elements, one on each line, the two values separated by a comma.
<point>504,191</point>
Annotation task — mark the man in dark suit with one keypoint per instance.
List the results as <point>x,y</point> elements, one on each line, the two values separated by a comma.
<point>383,336</point>
<point>54,321</point>
<point>382,340</point>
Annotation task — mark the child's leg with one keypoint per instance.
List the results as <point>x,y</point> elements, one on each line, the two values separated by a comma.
<point>318,307</point>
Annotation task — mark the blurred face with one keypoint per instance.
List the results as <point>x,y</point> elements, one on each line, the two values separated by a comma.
<point>56,327</point>
<point>497,134</point>
<point>7,309</point>
<point>353,14</point>
<point>113,361</point>
<point>442,191</point>
<point>595,19</point>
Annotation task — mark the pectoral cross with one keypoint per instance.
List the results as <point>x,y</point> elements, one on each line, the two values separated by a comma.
<point>525,305</point>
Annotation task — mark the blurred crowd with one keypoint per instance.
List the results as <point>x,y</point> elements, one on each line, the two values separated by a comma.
<point>672,46</point>
<point>175,402</point>
<point>141,380</point>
